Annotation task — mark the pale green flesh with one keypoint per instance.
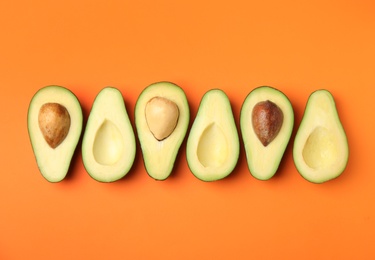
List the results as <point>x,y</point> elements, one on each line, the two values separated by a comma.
<point>263,161</point>
<point>213,145</point>
<point>108,146</point>
<point>54,163</point>
<point>159,156</point>
<point>320,149</point>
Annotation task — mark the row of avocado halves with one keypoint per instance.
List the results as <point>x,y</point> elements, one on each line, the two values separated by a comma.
<point>162,116</point>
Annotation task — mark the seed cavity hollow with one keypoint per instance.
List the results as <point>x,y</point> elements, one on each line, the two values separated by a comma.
<point>212,150</point>
<point>54,123</point>
<point>267,119</point>
<point>321,149</point>
<point>161,116</point>
<point>108,147</point>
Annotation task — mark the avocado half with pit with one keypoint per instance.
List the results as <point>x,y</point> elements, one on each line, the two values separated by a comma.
<point>266,121</point>
<point>212,149</point>
<point>108,145</point>
<point>54,124</point>
<point>320,148</point>
<point>162,118</point>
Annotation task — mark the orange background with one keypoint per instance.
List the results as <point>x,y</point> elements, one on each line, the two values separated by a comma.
<point>295,46</point>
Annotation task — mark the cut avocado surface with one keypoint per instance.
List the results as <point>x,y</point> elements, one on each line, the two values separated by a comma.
<point>162,117</point>
<point>55,125</point>
<point>213,144</point>
<point>108,145</point>
<point>320,148</point>
<point>266,122</point>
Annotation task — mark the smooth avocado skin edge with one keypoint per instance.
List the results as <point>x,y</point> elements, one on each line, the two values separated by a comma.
<point>321,149</point>
<point>263,160</point>
<point>108,145</point>
<point>212,149</point>
<point>54,158</point>
<point>162,116</point>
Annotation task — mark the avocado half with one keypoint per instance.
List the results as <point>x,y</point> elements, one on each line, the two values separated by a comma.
<point>54,124</point>
<point>162,118</point>
<point>266,122</point>
<point>108,145</point>
<point>321,149</point>
<point>212,149</point>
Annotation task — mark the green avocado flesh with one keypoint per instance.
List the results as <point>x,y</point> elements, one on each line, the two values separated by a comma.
<point>54,124</point>
<point>213,144</point>
<point>321,148</point>
<point>266,122</point>
<point>162,118</point>
<point>108,145</point>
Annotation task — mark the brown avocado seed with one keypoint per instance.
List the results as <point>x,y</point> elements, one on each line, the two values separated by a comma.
<point>161,117</point>
<point>54,122</point>
<point>267,119</point>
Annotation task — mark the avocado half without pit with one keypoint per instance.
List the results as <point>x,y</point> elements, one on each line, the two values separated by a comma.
<point>320,148</point>
<point>266,121</point>
<point>108,145</point>
<point>55,125</point>
<point>162,117</point>
<point>212,149</point>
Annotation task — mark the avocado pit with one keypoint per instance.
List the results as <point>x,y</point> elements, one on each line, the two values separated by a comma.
<point>267,119</point>
<point>54,123</point>
<point>161,116</point>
